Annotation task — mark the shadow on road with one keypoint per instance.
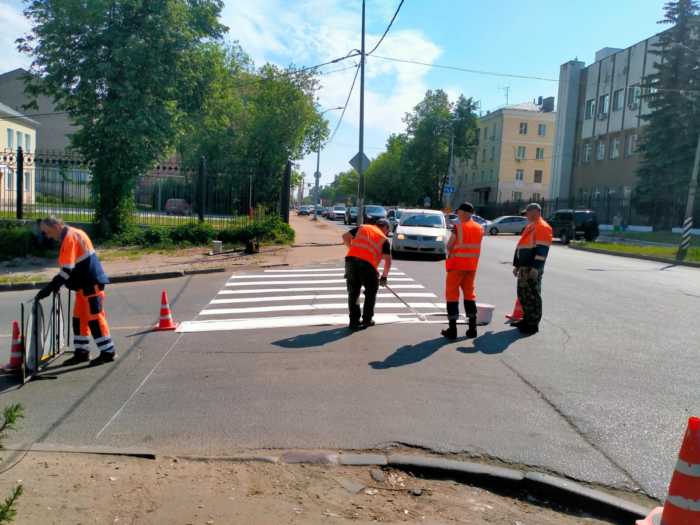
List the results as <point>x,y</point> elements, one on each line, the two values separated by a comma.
<point>312,340</point>
<point>411,354</point>
<point>490,343</point>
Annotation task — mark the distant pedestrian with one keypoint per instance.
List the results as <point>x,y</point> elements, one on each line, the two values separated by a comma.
<point>463,251</point>
<point>81,271</point>
<point>368,246</point>
<point>528,266</point>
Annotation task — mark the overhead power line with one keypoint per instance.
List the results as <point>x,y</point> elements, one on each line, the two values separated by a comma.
<point>391,22</point>
<point>465,70</point>
<point>345,106</point>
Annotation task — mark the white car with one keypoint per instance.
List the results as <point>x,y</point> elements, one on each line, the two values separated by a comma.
<point>421,231</point>
<point>508,224</point>
<point>336,213</point>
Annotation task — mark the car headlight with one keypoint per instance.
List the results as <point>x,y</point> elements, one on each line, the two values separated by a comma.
<point>401,236</point>
<point>439,238</point>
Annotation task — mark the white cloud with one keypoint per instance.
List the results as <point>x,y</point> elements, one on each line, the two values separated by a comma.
<point>14,25</point>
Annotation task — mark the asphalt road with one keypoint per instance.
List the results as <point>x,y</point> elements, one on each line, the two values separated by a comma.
<point>601,394</point>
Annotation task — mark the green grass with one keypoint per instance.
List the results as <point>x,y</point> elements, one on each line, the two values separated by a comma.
<point>18,278</point>
<point>664,252</point>
<point>660,237</point>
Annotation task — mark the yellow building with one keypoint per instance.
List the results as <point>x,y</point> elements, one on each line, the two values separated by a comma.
<point>16,131</point>
<point>514,157</point>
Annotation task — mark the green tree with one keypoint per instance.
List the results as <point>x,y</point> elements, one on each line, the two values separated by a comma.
<point>669,140</point>
<point>384,176</point>
<point>115,67</point>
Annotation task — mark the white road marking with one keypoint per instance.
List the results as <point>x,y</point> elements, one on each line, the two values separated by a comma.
<point>317,281</point>
<point>314,270</point>
<point>282,322</point>
<point>291,275</point>
<point>311,289</point>
<point>305,307</point>
<point>313,297</point>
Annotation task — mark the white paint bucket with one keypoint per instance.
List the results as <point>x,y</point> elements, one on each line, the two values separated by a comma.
<point>484,313</point>
<point>216,246</point>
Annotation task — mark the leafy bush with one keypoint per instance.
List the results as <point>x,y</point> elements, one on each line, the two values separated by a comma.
<point>20,241</point>
<point>272,229</point>
<point>192,233</point>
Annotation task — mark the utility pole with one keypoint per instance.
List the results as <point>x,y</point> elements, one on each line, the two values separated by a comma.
<point>361,188</point>
<point>690,207</point>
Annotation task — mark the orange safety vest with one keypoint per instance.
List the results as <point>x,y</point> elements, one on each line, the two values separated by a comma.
<point>80,267</point>
<point>465,253</point>
<point>367,244</point>
<point>534,244</point>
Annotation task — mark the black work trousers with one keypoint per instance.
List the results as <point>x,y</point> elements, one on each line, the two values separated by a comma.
<point>361,274</point>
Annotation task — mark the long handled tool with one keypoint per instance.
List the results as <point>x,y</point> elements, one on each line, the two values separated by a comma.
<point>420,316</point>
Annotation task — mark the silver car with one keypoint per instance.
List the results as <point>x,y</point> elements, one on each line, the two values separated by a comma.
<point>508,224</point>
<point>421,231</point>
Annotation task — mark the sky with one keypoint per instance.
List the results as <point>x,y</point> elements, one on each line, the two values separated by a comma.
<point>518,37</point>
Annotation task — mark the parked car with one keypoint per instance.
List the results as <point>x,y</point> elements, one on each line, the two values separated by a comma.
<point>374,212</point>
<point>336,213</point>
<point>453,220</point>
<point>177,207</point>
<point>304,210</point>
<point>484,222</point>
<point>350,215</point>
<point>574,224</point>
<point>508,224</point>
<point>421,231</point>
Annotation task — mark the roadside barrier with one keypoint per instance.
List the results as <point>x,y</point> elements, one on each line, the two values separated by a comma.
<point>682,505</point>
<point>166,322</point>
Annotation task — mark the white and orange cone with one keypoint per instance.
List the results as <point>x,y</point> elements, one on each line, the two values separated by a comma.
<point>166,322</point>
<point>16,350</point>
<point>682,505</point>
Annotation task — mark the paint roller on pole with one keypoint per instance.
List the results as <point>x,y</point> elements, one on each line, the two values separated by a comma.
<point>420,316</point>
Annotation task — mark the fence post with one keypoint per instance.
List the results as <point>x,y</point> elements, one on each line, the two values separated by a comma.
<point>286,189</point>
<point>20,183</point>
<point>202,187</point>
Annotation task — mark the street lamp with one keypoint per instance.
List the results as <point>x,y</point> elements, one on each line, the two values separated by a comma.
<point>317,175</point>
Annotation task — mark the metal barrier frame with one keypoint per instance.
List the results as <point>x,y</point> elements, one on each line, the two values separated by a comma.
<point>44,348</point>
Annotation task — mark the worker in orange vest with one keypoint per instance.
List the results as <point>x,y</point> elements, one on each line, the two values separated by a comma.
<point>82,272</point>
<point>368,246</point>
<point>528,266</point>
<point>463,250</point>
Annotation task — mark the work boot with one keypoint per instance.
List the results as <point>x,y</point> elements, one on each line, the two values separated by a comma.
<point>354,325</point>
<point>78,358</point>
<point>451,332</point>
<point>528,329</point>
<point>471,330</point>
<point>367,324</point>
<point>104,357</point>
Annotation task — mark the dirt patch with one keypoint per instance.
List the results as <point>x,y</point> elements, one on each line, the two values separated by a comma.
<point>82,488</point>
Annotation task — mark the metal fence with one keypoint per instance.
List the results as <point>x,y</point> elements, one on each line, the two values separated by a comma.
<point>60,183</point>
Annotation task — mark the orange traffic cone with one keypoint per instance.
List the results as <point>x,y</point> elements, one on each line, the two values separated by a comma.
<point>682,505</point>
<point>166,317</point>
<point>16,350</point>
<point>517,314</point>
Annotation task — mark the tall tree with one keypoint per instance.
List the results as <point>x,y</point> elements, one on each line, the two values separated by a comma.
<point>114,66</point>
<point>384,175</point>
<point>669,140</point>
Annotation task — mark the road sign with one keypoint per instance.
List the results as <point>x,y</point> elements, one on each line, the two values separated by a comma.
<point>448,189</point>
<point>355,162</point>
<point>426,202</point>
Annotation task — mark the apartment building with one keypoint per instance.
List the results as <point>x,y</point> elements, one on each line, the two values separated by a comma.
<point>599,122</point>
<point>16,131</point>
<point>514,154</point>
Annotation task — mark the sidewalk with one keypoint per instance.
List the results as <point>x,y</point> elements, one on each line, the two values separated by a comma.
<point>316,242</point>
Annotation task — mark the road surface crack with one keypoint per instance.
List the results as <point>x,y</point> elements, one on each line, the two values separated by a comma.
<point>570,422</point>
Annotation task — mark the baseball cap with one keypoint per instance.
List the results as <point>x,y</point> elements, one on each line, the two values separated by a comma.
<point>383,223</point>
<point>466,207</point>
<point>533,206</point>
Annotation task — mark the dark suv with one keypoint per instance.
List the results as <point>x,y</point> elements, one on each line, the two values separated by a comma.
<point>574,224</point>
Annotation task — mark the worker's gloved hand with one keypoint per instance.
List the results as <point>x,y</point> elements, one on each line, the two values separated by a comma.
<point>515,271</point>
<point>43,293</point>
<point>382,281</point>
<point>533,273</point>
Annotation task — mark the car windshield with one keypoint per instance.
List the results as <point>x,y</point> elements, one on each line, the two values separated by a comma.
<point>424,220</point>
<point>339,208</point>
<point>374,209</point>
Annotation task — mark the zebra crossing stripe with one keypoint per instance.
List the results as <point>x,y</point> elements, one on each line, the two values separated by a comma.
<point>290,276</point>
<point>306,307</point>
<point>314,270</point>
<point>315,281</point>
<point>281,322</point>
<point>311,289</point>
<point>314,297</point>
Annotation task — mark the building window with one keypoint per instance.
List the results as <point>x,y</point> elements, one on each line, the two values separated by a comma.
<point>517,196</point>
<point>590,108</point>
<point>523,128</point>
<point>634,95</point>
<point>615,148</point>
<point>492,175</point>
<point>483,176</point>
<point>10,138</point>
<point>26,182</point>
<point>519,175</point>
<point>618,99</point>
<point>600,150</point>
<point>28,143</point>
<point>493,152</point>
<point>538,177</point>
<point>19,139</point>
<point>604,105</point>
<point>536,197</point>
<point>542,130</point>
<point>587,150</point>
<point>631,146</point>
<point>478,135</point>
<point>483,155</point>
<point>493,133</point>
<point>486,133</point>
<point>521,153</point>
<point>10,177</point>
<point>539,154</point>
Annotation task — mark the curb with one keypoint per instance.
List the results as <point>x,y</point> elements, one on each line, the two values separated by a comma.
<point>635,256</point>
<point>124,278</point>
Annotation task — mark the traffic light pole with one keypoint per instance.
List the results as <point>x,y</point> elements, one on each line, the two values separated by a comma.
<point>690,207</point>
<point>361,187</point>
